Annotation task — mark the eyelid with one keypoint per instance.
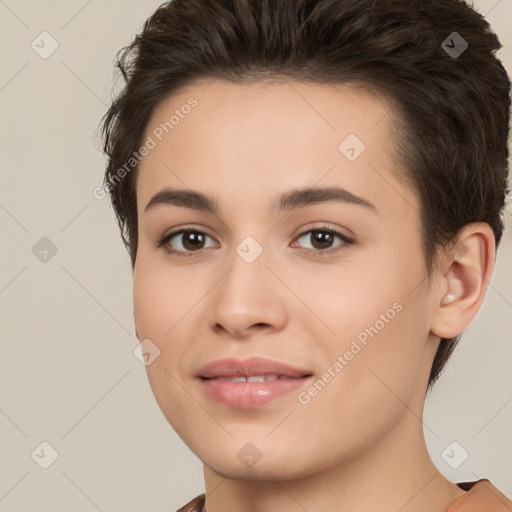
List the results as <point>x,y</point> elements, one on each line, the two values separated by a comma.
<point>314,226</point>
<point>346,240</point>
<point>167,237</point>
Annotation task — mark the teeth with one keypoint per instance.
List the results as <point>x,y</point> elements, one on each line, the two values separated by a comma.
<point>256,378</point>
<point>252,378</point>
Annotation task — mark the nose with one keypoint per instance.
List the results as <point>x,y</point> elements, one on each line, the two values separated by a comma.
<point>249,299</point>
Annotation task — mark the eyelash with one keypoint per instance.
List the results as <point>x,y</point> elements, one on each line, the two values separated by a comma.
<point>187,254</point>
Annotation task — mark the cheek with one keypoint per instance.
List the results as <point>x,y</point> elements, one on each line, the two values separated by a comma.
<point>161,303</point>
<point>378,327</point>
<point>151,304</point>
<point>376,369</point>
<point>353,295</point>
<point>161,297</point>
<point>166,304</point>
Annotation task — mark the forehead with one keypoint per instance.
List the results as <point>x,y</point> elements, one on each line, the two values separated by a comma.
<point>262,105</point>
<point>253,136</point>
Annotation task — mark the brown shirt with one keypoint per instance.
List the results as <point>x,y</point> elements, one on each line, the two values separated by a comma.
<point>481,496</point>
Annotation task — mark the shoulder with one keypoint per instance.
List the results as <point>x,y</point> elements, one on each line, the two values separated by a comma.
<point>196,505</point>
<point>481,496</point>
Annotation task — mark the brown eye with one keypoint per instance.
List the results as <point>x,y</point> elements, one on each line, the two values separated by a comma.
<point>323,240</point>
<point>185,242</point>
<point>193,240</point>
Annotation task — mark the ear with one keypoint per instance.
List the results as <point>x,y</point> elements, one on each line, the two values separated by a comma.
<point>465,271</point>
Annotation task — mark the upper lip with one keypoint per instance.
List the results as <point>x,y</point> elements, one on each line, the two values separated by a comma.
<point>249,367</point>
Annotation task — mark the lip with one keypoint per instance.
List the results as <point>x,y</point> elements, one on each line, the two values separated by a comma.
<point>247,395</point>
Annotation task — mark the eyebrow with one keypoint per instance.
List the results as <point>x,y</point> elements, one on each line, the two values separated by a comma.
<point>293,199</point>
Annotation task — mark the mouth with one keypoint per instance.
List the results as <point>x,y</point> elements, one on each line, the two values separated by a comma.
<point>250,383</point>
<point>253,378</point>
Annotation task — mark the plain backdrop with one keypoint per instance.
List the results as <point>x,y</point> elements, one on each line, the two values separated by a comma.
<point>68,374</point>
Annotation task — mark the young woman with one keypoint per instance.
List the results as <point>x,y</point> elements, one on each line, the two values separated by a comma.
<point>311,193</point>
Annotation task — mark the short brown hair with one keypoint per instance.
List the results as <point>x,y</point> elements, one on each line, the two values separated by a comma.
<point>454,109</point>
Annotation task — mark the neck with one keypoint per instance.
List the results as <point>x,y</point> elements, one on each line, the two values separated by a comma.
<point>396,474</point>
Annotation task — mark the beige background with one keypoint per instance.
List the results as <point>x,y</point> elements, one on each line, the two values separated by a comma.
<point>68,375</point>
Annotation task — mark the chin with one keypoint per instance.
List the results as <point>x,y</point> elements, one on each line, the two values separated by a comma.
<point>268,470</point>
<point>243,460</point>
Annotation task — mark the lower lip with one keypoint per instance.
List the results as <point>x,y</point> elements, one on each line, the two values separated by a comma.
<point>248,395</point>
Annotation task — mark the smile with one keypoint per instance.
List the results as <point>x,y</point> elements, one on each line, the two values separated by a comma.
<point>251,383</point>
<point>253,378</point>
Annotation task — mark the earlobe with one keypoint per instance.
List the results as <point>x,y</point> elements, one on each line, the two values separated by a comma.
<point>462,287</point>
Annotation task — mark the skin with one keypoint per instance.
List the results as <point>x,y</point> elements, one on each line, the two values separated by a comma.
<point>357,445</point>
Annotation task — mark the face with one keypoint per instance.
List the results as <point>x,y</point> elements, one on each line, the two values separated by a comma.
<point>289,306</point>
